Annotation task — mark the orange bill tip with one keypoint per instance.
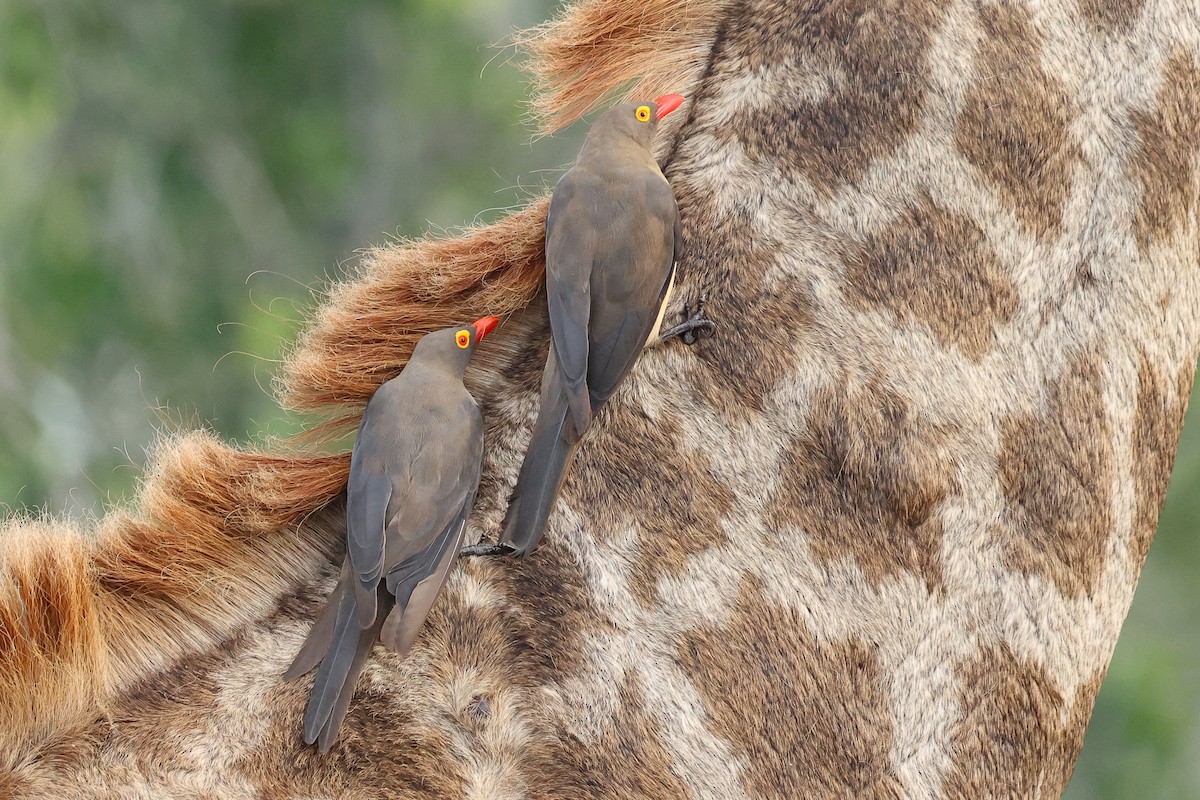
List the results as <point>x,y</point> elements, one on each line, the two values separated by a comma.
<point>668,103</point>
<point>483,326</point>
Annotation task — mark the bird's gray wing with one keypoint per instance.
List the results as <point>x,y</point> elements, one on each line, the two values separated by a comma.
<point>417,582</point>
<point>333,685</point>
<point>676,241</point>
<point>629,289</point>
<point>368,494</point>
<point>421,549</point>
<point>429,495</point>
<point>570,239</point>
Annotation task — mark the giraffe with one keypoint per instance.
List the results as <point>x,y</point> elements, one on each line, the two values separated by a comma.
<point>874,539</point>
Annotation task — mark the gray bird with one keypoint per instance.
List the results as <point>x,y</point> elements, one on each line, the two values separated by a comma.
<point>611,238</point>
<point>414,472</point>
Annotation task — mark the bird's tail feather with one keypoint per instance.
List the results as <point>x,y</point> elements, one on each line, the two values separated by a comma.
<point>551,447</point>
<point>317,644</point>
<point>341,660</point>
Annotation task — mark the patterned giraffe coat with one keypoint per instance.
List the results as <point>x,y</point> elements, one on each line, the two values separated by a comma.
<point>874,539</point>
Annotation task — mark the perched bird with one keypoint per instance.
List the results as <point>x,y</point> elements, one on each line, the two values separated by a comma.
<point>611,238</point>
<point>414,472</point>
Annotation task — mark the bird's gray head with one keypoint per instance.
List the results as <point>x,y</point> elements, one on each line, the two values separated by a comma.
<point>637,120</point>
<point>453,347</point>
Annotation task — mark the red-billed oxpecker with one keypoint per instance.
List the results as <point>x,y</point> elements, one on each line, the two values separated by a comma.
<point>414,472</point>
<point>612,235</point>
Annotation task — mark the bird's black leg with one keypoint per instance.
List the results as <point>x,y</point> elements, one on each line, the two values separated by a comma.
<point>693,327</point>
<point>485,549</point>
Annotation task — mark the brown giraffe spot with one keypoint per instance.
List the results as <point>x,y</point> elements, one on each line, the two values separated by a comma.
<point>70,762</point>
<point>554,616</point>
<point>12,785</point>
<point>150,728</point>
<point>1164,163</point>
<point>624,762</point>
<point>863,482</point>
<point>669,495</point>
<point>1009,740</point>
<point>407,755</point>
<point>932,266</point>
<point>1056,475</point>
<point>878,45</point>
<point>1156,427</point>
<point>1014,123</point>
<point>759,324</point>
<point>534,638</point>
<point>809,717</point>
<point>157,716</point>
<point>1111,15</point>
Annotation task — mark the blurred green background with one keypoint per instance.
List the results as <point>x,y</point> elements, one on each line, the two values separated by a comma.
<point>176,178</point>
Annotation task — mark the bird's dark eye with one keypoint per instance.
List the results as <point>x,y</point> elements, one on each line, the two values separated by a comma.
<point>642,113</point>
<point>462,338</point>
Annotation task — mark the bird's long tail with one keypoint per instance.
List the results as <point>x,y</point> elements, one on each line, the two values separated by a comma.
<point>551,448</point>
<point>341,647</point>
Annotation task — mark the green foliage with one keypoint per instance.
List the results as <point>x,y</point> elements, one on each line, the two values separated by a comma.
<point>176,176</point>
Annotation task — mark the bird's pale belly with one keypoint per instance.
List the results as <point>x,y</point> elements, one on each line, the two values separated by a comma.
<point>662,310</point>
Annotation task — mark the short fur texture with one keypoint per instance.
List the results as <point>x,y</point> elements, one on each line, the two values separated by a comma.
<point>874,539</point>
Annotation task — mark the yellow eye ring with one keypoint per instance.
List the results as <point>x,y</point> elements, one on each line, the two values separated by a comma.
<point>462,339</point>
<point>642,113</point>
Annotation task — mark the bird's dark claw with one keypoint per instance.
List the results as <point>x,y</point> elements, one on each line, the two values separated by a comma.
<point>694,327</point>
<point>485,549</point>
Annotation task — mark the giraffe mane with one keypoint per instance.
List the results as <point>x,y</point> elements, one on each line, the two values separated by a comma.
<point>216,530</point>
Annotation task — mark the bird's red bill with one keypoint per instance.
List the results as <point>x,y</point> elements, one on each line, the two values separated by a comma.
<point>668,103</point>
<point>483,326</point>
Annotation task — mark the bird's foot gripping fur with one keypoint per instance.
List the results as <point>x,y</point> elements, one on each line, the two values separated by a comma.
<point>694,327</point>
<point>485,549</point>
